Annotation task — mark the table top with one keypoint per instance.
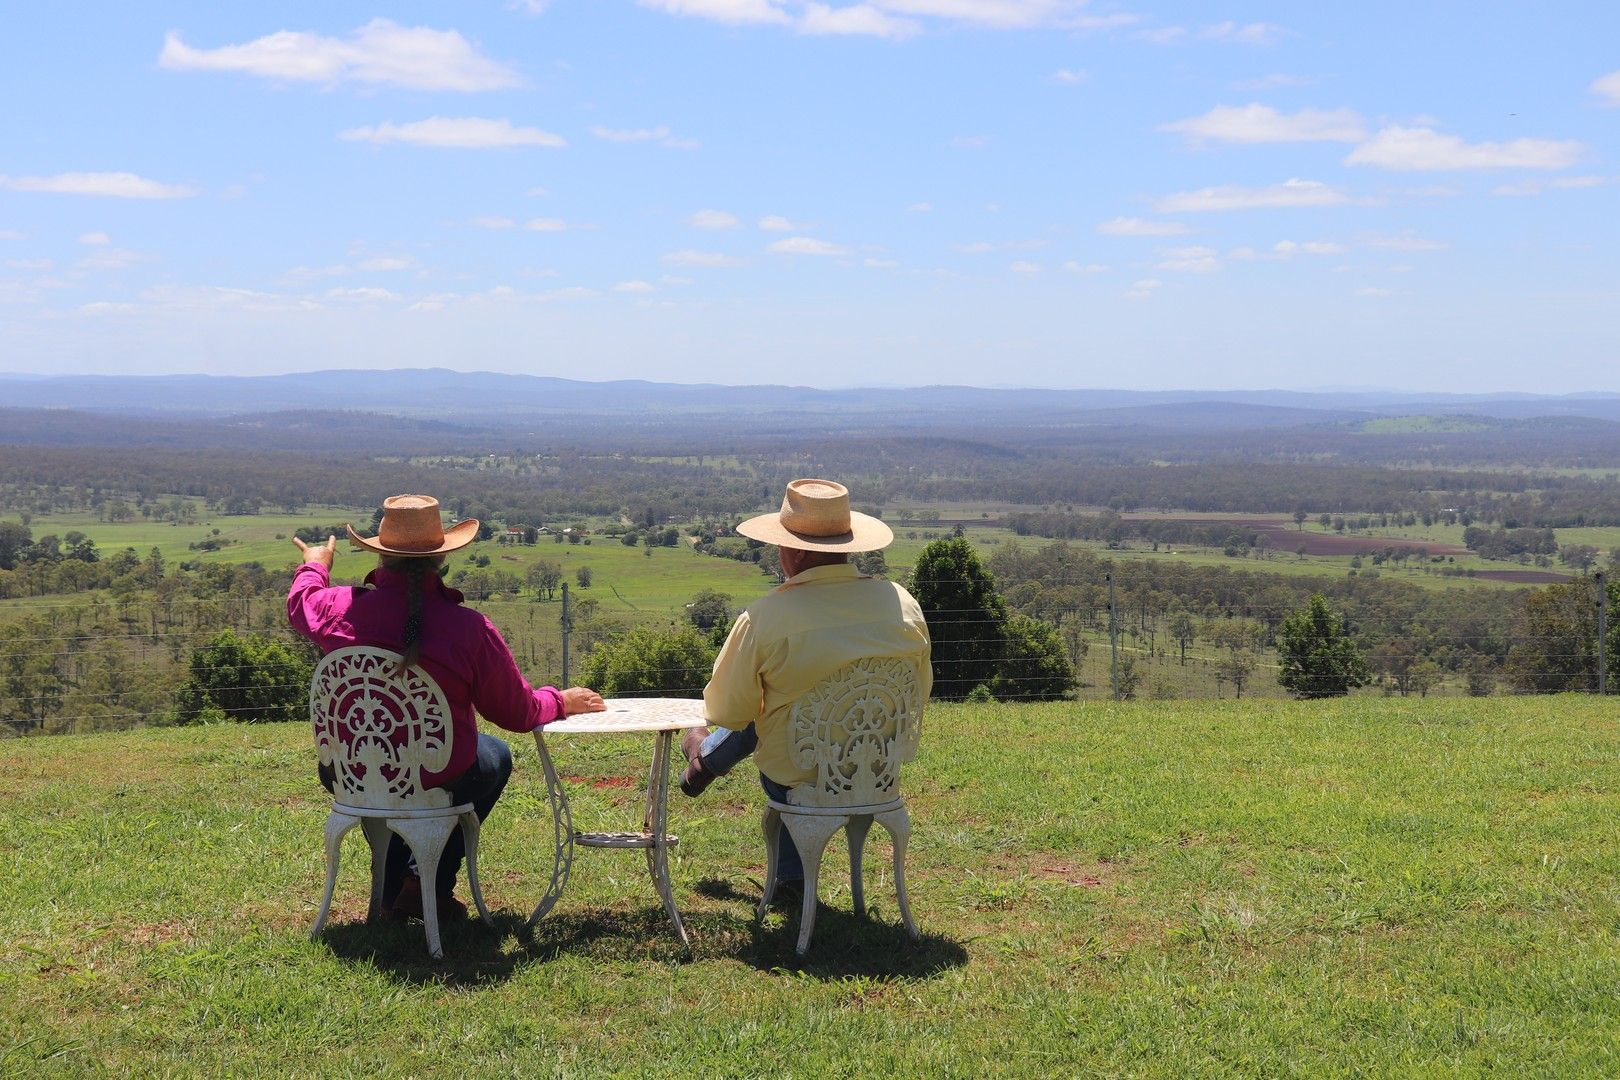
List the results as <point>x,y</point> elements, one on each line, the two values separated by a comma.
<point>633,714</point>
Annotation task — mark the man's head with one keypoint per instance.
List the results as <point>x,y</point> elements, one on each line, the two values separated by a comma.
<point>796,561</point>
<point>815,519</point>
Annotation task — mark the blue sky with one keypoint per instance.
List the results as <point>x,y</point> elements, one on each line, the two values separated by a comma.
<point>992,192</point>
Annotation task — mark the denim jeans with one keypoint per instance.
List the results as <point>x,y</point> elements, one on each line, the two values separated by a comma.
<point>722,750</point>
<point>480,785</point>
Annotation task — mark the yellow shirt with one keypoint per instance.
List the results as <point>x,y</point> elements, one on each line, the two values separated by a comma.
<point>795,636</point>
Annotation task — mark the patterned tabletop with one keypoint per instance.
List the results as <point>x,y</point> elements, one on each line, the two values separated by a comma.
<point>633,714</point>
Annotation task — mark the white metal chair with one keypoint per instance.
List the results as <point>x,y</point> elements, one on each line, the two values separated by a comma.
<point>378,733</point>
<point>855,729</point>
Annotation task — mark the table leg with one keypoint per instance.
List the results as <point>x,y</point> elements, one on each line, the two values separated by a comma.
<point>562,825</point>
<point>656,822</point>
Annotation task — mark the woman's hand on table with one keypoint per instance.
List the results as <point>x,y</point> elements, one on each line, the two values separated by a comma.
<point>580,699</point>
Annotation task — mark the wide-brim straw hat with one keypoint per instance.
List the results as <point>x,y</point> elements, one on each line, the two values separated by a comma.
<point>411,527</point>
<point>815,516</point>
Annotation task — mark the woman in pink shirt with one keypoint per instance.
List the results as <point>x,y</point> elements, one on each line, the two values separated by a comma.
<point>405,607</point>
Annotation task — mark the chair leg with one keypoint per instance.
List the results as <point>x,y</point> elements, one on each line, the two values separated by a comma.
<point>771,823</point>
<point>898,822</point>
<point>810,835</point>
<point>426,838</point>
<point>337,826</point>
<point>377,837</point>
<point>469,831</point>
<point>856,831</point>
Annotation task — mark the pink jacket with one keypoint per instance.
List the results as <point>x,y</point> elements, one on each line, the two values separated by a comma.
<point>461,649</point>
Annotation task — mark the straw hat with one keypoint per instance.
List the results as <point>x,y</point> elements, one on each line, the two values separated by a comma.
<point>815,516</point>
<point>411,526</point>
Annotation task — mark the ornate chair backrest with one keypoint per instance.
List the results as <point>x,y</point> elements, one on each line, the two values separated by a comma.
<point>378,732</point>
<point>855,728</point>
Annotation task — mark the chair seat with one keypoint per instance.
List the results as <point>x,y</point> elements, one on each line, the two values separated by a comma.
<point>373,812</point>
<point>835,811</point>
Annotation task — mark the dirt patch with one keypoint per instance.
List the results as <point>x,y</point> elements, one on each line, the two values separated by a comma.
<point>1280,535</point>
<point>1082,877</point>
<point>604,782</point>
<point>1524,577</point>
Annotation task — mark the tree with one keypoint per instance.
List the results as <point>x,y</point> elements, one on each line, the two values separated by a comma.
<point>1036,666</point>
<point>966,617</point>
<point>1557,639</point>
<point>544,577</point>
<point>673,663</point>
<point>1236,667</point>
<point>1318,659</point>
<point>1183,629</point>
<point>583,576</point>
<point>1299,519</point>
<point>709,609</point>
<point>249,677</point>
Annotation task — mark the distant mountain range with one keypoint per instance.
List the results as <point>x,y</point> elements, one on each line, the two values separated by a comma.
<point>499,400</point>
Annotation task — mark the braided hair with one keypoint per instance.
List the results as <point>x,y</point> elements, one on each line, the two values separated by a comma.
<point>416,571</point>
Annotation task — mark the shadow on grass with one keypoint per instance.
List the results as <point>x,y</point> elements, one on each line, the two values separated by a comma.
<point>475,955</point>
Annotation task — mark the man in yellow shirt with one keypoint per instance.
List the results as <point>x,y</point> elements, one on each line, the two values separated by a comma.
<point>825,615</point>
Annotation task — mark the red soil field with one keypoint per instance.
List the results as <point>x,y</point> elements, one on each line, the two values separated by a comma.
<point>1282,536</point>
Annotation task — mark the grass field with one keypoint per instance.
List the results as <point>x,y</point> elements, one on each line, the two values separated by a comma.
<point>1334,889</point>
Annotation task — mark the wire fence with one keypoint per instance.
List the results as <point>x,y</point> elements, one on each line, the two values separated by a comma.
<point>103,663</point>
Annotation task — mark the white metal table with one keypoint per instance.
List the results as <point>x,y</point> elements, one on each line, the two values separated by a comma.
<point>661,716</point>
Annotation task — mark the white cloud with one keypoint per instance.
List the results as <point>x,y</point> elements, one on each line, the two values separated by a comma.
<point>730,12</point>
<point>458,133</point>
<point>1404,242</point>
<point>1256,33</point>
<point>10,234</point>
<point>1162,35</point>
<point>977,247</point>
<point>1562,183</point>
<point>29,264</point>
<point>675,279</point>
<point>528,7</point>
<point>1256,123</point>
<point>110,258</point>
<point>1607,87</point>
<point>1286,248</point>
<point>1131,226</point>
<point>1024,266</point>
<point>1577,182</point>
<point>776,223</point>
<point>1270,82</point>
<point>108,307</point>
<point>1141,290</point>
<point>115,185</point>
<point>1422,149</point>
<point>1374,290</point>
<point>660,135</point>
<point>1074,266</point>
<point>538,192</point>
<point>633,287</point>
<point>880,264</point>
<point>705,259</point>
<point>95,239</point>
<point>865,19</point>
<point>1189,260</point>
<point>378,53</point>
<point>546,224</point>
<point>713,219</point>
<point>361,295</point>
<point>385,264</point>
<point>806,245</point>
<point>490,222</point>
<point>920,208</point>
<point>1070,77</point>
<point>1290,193</point>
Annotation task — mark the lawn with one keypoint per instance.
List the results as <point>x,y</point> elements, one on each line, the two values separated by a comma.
<point>1347,888</point>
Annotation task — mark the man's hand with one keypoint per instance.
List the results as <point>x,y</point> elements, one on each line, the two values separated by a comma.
<point>325,554</point>
<point>578,699</point>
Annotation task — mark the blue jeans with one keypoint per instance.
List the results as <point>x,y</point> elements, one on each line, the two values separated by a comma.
<point>722,750</point>
<point>480,785</point>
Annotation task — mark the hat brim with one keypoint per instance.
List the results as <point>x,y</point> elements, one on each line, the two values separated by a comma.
<point>455,537</point>
<point>866,533</point>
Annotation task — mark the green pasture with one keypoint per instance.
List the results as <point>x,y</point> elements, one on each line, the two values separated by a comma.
<point>1335,889</point>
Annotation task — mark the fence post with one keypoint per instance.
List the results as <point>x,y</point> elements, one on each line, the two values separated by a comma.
<point>1113,640</point>
<point>567,629</point>
<point>1603,634</point>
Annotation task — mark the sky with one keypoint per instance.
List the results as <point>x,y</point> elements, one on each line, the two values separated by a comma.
<point>1039,193</point>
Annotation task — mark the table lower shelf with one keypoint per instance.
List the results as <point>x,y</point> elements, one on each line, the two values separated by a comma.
<point>622,839</point>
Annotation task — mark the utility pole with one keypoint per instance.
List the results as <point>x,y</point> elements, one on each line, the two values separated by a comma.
<point>1603,633</point>
<point>567,627</point>
<point>1113,639</point>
